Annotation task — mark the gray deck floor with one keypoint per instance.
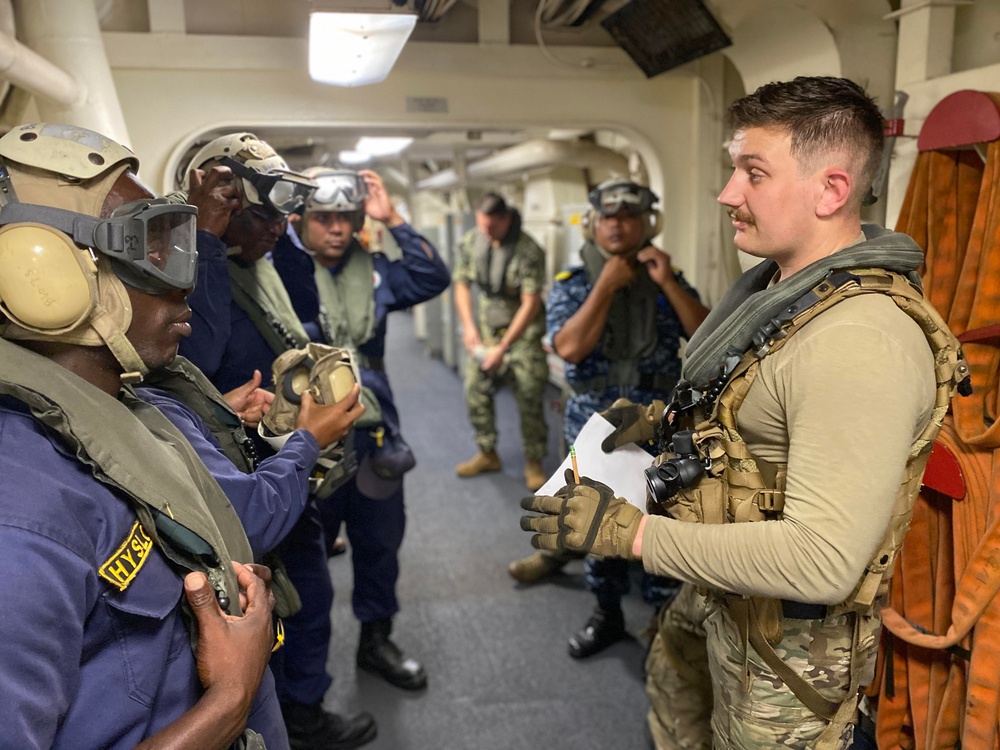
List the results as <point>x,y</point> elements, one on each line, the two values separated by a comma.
<point>495,651</point>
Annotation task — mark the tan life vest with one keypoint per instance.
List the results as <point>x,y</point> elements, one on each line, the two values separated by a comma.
<point>737,487</point>
<point>131,446</point>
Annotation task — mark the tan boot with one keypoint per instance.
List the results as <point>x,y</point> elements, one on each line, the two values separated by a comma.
<point>481,463</point>
<point>534,477</point>
<point>535,567</point>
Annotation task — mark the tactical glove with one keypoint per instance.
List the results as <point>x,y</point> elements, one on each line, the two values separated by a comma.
<point>584,517</point>
<point>634,423</point>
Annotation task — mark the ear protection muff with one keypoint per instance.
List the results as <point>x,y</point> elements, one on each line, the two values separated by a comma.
<point>587,225</point>
<point>358,221</point>
<point>47,283</point>
<point>654,222</point>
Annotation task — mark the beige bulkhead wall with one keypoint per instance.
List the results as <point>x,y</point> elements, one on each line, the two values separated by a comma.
<point>172,90</point>
<point>175,86</point>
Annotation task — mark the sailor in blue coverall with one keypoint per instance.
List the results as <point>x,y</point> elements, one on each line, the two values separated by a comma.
<point>617,320</point>
<point>344,295</point>
<point>242,320</point>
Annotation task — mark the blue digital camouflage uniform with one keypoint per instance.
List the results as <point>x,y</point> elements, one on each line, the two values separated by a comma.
<point>608,579</point>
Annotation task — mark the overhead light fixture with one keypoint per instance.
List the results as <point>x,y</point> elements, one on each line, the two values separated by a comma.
<point>358,47</point>
<point>353,157</point>
<point>382,146</point>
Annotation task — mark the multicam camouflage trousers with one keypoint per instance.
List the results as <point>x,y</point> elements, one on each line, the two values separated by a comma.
<point>678,683</point>
<point>524,369</point>
<point>751,707</point>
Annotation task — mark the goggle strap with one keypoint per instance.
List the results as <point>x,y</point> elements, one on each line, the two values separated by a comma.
<point>81,228</point>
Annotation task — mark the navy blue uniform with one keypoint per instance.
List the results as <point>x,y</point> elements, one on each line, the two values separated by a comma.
<point>569,291</point>
<point>82,663</point>
<point>224,342</point>
<point>374,527</point>
<point>227,346</point>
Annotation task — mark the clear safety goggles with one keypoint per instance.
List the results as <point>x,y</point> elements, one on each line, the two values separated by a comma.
<point>281,190</point>
<point>152,243</point>
<point>340,190</point>
<point>635,199</point>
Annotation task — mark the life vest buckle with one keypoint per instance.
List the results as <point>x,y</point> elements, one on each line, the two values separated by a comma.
<point>770,501</point>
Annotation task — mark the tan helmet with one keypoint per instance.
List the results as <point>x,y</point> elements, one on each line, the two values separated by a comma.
<point>60,261</point>
<point>266,178</point>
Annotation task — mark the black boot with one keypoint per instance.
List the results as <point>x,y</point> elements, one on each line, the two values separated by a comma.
<point>378,654</point>
<point>604,628</point>
<point>313,728</point>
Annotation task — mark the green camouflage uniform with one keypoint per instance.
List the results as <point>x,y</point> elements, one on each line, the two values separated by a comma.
<point>524,366</point>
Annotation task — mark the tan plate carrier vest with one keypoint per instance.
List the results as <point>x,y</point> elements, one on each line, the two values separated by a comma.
<point>739,488</point>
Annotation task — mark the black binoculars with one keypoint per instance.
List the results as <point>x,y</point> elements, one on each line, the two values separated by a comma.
<point>684,470</point>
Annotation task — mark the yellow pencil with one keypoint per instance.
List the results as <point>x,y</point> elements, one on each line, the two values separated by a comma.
<point>576,469</point>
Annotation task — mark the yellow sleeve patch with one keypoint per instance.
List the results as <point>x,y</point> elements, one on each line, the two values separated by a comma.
<point>122,566</point>
<point>563,275</point>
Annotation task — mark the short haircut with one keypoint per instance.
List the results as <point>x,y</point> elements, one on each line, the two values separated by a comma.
<point>819,113</point>
<point>492,204</point>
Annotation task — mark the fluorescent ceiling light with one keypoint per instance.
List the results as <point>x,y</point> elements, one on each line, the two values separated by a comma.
<point>353,157</point>
<point>354,49</point>
<point>382,146</point>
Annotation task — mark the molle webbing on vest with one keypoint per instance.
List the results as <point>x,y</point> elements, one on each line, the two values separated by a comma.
<point>754,491</point>
<point>747,483</point>
<point>347,299</point>
<point>260,293</point>
<point>188,384</point>
<point>131,446</point>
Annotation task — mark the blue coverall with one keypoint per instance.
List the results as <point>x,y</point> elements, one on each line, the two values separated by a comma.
<point>374,527</point>
<point>82,664</point>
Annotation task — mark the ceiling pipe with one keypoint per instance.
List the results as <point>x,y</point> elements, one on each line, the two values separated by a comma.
<point>530,156</point>
<point>67,34</point>
<point>26,69</point>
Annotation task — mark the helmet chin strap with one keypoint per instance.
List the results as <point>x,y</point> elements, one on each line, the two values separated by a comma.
<point>103,322</point>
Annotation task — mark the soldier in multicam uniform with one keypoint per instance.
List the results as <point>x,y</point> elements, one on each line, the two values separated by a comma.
<point>617,320</point>
<point>505,346</point>
<point>810,400</point>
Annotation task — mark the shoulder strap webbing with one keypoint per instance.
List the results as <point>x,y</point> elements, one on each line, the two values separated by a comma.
<point>189,385</point>
<point>130,445</point>
<point>259,292</point>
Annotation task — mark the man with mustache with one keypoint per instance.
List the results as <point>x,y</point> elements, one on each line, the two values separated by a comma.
<point>617,320</point>
<point>796,441</point>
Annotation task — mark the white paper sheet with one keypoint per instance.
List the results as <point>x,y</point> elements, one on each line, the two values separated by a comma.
<point>621,470</point>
